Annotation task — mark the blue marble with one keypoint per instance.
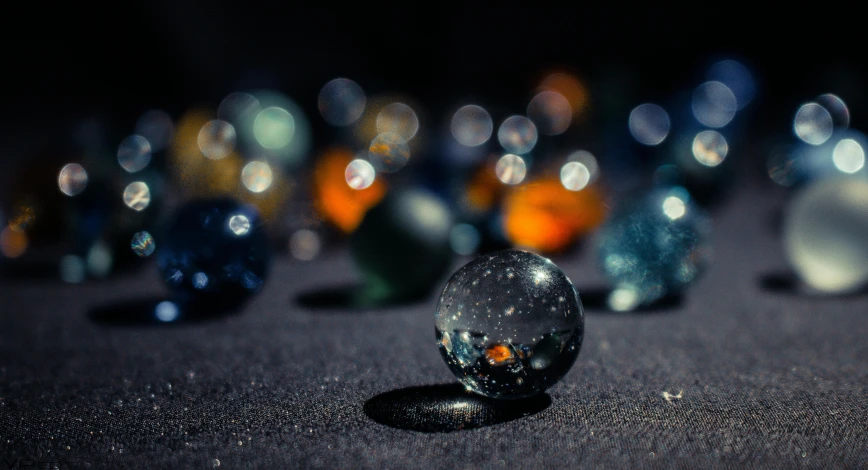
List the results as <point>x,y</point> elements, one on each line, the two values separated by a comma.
<point>214,251</point>
<point>652,246</point>
<point>509,324</point>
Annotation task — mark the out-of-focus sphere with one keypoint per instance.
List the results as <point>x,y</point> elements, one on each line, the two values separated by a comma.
<point>360,174</point>
<point>837,109</point>
<point>304,244</point>
<point>72,269</point>
<point>389,152</point>
<point>341,102</point>
<point>99,261</point>
<point>575,176</point>
<point>813,124</point>
<point>274,127</point>
<point>510,169</point>
<point>649,124</point>
<point>710,148</point>
<point>238,107</point>
<point>848,156</point>
<point>652,246</point>
<point>134,153</point>
<point>826,234</point>
<point>72,179</point>
<point>517,134</point>
<point>509,324</point>
<point>217,139</point>
<point>143,244</point>
<point>398,118</point>
<point>464,239</point>
<point>736,77</point>
<point>551,113</point>
<point>714,104</point>
<point>257,176</point>
<point>157,127</point>
<point>137,196</point>
<point>214,251</point>
<point>588,160</point>
<point>472,125</point>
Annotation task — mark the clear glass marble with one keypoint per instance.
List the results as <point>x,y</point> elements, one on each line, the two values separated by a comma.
<point>509,324</point>
<point>653,245</point>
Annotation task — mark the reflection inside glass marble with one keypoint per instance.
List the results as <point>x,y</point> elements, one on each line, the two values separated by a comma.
<point>653,245</point>
<point>509,324</point>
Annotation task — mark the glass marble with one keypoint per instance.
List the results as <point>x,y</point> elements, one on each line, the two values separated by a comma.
<point>509,324</point>
<point>825,234</point>
<point>652,246</point>
<point>214,251</point>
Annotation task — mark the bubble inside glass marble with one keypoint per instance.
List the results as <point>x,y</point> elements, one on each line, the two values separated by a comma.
<point>517,134</point>
<point>143,244</point>
<point>825,234</point>
<point>653,245</point>
<point>509,324</point>
<point>214,250</point>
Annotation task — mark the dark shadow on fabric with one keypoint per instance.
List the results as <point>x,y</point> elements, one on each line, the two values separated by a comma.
<point>596,301</point>
<point>144,312</point>
<point>351,297</point>
<point>447,408</point>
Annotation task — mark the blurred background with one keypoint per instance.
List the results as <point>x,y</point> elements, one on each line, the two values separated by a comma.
<point>80,80</point>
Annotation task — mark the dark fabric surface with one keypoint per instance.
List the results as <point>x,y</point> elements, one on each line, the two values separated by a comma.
<point>766,377</point>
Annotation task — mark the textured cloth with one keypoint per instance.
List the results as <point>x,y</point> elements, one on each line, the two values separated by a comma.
<point>742,371</point>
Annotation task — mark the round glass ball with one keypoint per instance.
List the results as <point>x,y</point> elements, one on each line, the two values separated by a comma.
<point>825,234</point>
<point>652,246</point>
<point>214,251</point>
<point>509,324</point>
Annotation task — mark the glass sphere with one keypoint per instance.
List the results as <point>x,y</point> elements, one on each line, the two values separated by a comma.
<point>214,250</point>
<point>826,234</point>
<point>509,324</point>
<point>653,246</point>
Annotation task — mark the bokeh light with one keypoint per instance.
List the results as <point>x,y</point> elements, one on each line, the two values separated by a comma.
<point>464,239</point>
<point>714,104</point>
<point>360,174</point>
<point>134,153</point>
<point>570,87</point>
<point>848,156</point>
<point>334,199</point>
<point>389,152</point>
<point>13,243</point>
<point>238,108</point>
<point>398,118</point>
<point>575,176</point>
<point>143,244</point>
<point>837,109</point>
<point>166,311</point>
<point>72,179</point>
<point>217,139</point>
<point>551,112</point>
<point>510,169</point>
<point>72,269</point>
<point>517,135</point>
<point>99,261</point>
<point>137,195</point>
<point>257,176</point>
<point>239,224</point>
<point>674,207</point>
<point>157,127</point>
<point>737,78</point>
<point>274,127</point>
<point>542,215</point>
<point>587,159</point>
<point>341,102</point>
<point>472,125</point>
<point>813,124</point>
<point>649,124</point>
<point>304,245</point>
<point>710,148</point>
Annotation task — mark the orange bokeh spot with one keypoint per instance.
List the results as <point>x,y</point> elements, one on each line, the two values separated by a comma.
<point>334,199</point>
<point>544,216</point>
<point>12,243</point>
<point>570,88</point>
<point>483,189</point>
